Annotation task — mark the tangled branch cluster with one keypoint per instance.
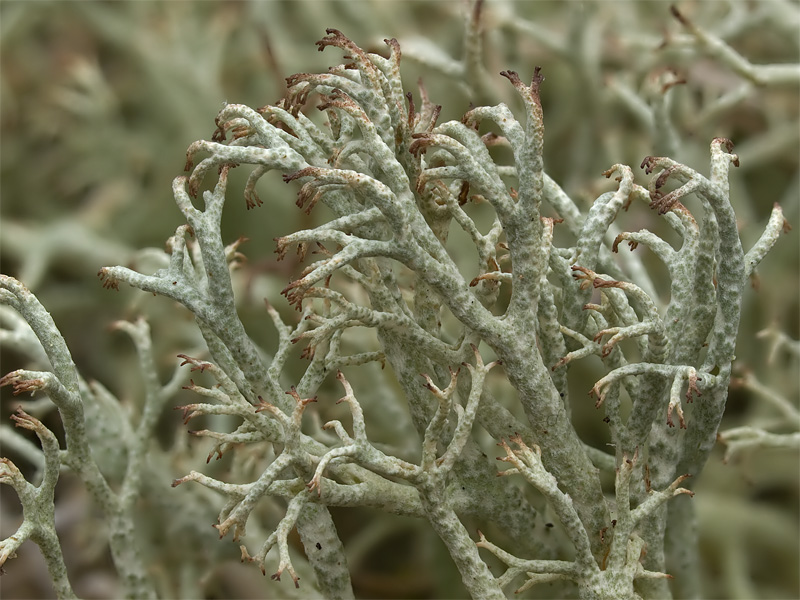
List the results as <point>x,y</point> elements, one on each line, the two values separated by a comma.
<point>398,183</point>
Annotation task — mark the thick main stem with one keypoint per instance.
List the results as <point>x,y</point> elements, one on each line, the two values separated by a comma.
<point>475,574</point>
<point>563,454</point>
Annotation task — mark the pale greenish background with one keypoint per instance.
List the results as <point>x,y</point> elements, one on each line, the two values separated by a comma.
<point>99,100</point>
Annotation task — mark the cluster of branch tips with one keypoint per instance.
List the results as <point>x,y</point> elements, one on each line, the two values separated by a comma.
<point>397,180</point>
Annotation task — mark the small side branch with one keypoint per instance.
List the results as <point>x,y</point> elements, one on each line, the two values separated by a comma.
<point>37,505</point>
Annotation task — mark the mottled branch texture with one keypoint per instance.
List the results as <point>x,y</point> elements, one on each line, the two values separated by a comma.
<point>473,340</point>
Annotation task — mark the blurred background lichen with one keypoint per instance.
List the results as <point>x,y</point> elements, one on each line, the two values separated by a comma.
<point>99,100</point>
